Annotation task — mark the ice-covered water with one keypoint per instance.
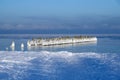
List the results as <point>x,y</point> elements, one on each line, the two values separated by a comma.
<point>61,65</point>
<point>88,61</point>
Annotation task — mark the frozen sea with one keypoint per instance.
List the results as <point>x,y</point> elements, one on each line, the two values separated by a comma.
<point>85,61</point>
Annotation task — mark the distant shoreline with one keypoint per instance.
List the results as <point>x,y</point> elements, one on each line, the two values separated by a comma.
<point>60,34</point>
<point>30,36</point>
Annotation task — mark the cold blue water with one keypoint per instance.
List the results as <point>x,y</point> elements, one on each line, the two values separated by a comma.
<point>85,61</point>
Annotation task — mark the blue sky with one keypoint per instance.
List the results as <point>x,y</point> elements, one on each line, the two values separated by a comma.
<point>86,16</point>
<point>58,7</point>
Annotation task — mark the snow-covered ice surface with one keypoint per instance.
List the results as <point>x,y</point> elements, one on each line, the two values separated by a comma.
<point>46,65</point>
